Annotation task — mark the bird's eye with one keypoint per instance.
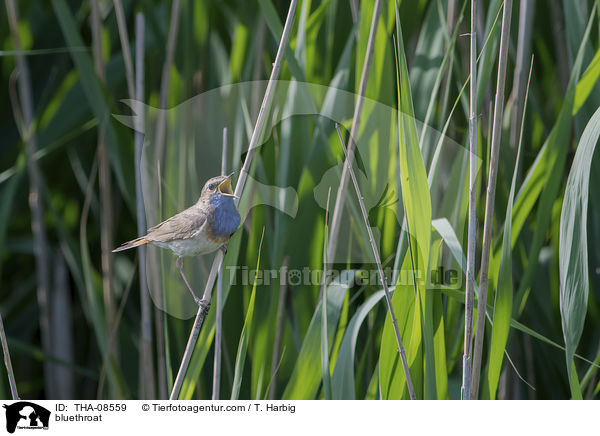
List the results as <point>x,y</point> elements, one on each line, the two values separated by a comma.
<point>212,186</point>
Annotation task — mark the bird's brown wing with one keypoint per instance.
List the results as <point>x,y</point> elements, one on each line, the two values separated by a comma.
<point>185,225</point>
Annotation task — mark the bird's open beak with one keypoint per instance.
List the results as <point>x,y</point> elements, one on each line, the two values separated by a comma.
<point>225,186</point>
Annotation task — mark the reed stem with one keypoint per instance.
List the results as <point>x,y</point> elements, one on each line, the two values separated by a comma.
<point>219,302</point>
<point>254,142</point>
<point>161,120</point>
<point>40,240</point>
<point>472,223</point>
<point>491,194</point>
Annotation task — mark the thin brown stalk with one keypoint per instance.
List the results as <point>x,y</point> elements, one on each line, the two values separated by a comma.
<point>40,241</point>
<point>254,142</point>
<point>472,223</point>
<point>491,193</point>
<point>147,384</point>
<point>106,215</point>
<point>219,298</point>
<point>8,362</point>
<point>164,83</point>
<point>388,297</point>
<point>340,196</point>
<point>124,37</point>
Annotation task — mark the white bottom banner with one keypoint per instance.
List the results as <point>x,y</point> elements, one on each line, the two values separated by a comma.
<point>299,417</point>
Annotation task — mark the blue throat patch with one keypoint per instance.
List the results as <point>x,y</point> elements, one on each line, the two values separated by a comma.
<point>225,219</point>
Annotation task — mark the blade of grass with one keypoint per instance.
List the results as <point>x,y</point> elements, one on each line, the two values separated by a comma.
<point>417,208</point>
<point>246,333</point>
<point>343,380</point>
<point>573,253</point>
<point>305,378</point>
<point>586,84</point>
<point>278,331</point>
<point>324,342</point>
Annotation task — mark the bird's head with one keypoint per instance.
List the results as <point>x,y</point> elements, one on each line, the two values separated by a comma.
<point>220,185</point>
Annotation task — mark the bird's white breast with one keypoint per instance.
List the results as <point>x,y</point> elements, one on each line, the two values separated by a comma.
<point>190,247</point>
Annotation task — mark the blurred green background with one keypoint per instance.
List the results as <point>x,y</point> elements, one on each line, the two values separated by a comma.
<point>78,321</point>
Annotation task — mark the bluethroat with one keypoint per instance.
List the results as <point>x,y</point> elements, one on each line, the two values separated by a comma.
<point>200,229</point>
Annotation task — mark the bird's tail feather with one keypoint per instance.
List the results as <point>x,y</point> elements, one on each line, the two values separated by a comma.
<point>131,244</point>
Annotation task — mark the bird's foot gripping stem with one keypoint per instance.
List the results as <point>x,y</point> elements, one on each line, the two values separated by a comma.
<point>204,305</point>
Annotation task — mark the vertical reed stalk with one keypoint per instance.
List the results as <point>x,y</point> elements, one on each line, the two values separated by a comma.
<point>106,215</point>
<point>8,362</point>
<point>340,196</point>
<point>124,37</point>
<point>147,385</point>
<point>219,298</point>
<point>388,297</point>
<point>254,142</point>
<point>526,14</point>
<point>491,193</point>
<point>40,241</point>
<point>164,83</point>
<point>472,224</point>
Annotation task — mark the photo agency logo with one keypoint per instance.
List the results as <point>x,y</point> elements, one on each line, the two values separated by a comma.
<point>437,278</point>
<point>182,148</point>
<point>25,415</point>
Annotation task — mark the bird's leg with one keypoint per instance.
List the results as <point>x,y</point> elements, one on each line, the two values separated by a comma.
<point>179,263</point>
<point>224,248</point>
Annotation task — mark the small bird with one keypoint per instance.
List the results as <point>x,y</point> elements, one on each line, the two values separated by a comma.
<point>200,229</point>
